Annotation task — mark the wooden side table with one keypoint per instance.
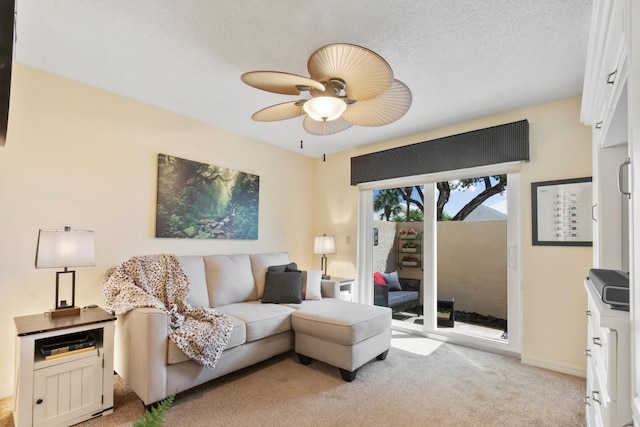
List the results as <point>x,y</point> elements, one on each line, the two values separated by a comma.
<point>63,389</point>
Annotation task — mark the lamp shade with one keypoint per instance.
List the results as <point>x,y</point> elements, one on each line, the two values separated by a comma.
<point>65,248</point>
<point>324,245</point>
<point>324,108</point>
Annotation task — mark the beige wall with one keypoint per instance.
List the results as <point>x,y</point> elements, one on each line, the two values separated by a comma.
<point>472,265</point>
<point>86,158</point>
<point>554,325</point>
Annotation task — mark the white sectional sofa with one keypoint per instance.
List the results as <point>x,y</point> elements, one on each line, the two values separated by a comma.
<point>154,367</point>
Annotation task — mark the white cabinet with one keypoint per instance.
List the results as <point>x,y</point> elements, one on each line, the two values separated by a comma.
<point>68,388</point>
<point>606,73</point>
<point>604,108</point>
<point>608,350</point>
<point>610,210</point>
<point>67,391</point>
<point>611,105</point>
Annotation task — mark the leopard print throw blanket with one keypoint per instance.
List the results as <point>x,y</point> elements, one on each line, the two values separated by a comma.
<point>159,281</point>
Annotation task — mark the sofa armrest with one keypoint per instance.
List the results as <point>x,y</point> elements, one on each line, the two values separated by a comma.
<point>142,339</point>
<point>330,289</point>
<point>381,295</point>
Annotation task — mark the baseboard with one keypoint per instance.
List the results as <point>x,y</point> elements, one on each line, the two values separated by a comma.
<point>552,366</point>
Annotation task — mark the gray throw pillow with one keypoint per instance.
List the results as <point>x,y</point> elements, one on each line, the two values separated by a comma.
<point>392,281</point>
<point>282,268</point>
<point>283,288</point>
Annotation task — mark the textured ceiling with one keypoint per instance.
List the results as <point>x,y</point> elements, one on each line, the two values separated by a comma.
<point>462,59</point>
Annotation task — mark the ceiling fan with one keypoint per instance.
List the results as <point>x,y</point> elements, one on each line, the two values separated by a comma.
<point>349,85</point>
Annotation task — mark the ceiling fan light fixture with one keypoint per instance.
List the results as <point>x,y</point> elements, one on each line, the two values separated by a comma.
<point>324,108</point>
<point>348,85</point>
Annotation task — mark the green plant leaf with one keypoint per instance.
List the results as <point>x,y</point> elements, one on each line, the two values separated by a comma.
<point>155,417</point>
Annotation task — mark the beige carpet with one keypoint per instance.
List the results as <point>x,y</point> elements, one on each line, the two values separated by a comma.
<point>421,383</point>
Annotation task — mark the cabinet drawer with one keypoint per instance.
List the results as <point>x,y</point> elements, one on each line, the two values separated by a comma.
<point>600,406</point>
<point>590,410</point>
<point>602,345</point>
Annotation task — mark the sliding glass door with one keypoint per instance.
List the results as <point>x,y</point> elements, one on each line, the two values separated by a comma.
<point>471,253</point>
<point>464,255</point>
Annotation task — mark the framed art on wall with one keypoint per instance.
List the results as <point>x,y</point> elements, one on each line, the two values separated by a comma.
<point>561,212</point>
<point>202,201</point>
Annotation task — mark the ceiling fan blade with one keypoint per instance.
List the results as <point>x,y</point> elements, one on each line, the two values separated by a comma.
<point>284,111</point>
<point>279,82</point>
<point>366,74</point>
<point>315,127</point>
<point>385,109</point>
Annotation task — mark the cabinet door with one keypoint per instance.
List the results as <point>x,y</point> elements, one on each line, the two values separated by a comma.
<point>609,229</point>
<point>68,391</point>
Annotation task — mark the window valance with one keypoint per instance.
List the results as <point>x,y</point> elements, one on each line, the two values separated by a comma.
<point>498,144</point>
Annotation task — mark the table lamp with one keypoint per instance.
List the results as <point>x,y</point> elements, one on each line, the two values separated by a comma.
<point>63,249</point>
<point>324,245</point>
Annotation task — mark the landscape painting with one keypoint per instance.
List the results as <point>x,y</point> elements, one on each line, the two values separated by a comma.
<point>201,201</point>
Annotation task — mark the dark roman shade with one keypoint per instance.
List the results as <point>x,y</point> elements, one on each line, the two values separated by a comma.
<point>493,145</point>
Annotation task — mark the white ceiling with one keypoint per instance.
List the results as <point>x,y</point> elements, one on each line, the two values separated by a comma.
<point>462,59</point>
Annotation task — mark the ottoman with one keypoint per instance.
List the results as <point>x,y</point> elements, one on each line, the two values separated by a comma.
<point>341,333</point>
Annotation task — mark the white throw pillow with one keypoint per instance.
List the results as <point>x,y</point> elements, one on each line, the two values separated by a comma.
<point>311,284</point>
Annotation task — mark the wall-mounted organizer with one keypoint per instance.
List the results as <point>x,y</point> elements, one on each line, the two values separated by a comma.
<point>409,244</point>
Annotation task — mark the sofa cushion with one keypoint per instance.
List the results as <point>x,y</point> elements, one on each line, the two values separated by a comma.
<point>292,266</point>
<point>312,284</point>
<point>392,281</point>
<point>281,288</point>
<point>229,279</point>
<point>341,322</point>
<point>378,279</point>
<point>238,337</point>
<point>261,262</point>
<point>261,320</point>
<point>194,267</point>
<point>398,297</point>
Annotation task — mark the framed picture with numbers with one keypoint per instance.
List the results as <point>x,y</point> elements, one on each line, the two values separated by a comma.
<point>561,212</point>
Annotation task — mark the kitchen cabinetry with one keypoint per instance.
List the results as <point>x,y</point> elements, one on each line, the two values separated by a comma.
<point>611,106</point>
<point>607,399</point>
<point>63,386</point>
<point>604,108</point>
<point>604,95</point>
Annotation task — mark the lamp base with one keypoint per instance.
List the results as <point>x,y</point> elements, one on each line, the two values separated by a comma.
<point>61,312</point>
